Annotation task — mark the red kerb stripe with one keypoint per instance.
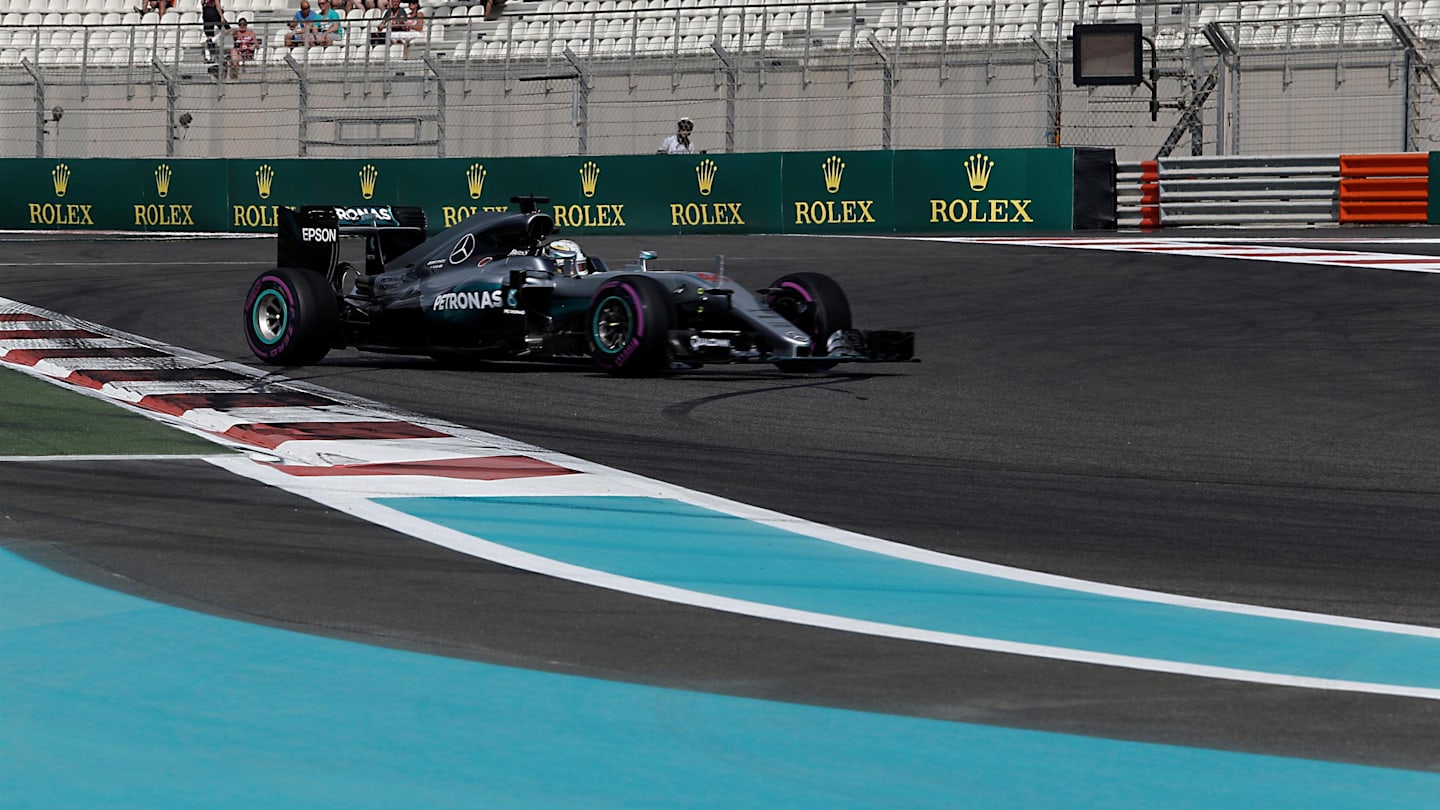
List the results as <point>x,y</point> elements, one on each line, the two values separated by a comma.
<point>45,334</point>
<point>178,404</point>
<point>29,357</point>
<point>273,435</point>
<point>96,378</point>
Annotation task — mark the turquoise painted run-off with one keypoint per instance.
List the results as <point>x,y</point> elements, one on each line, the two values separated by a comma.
<point>688,547</point>
<point>111,701</point>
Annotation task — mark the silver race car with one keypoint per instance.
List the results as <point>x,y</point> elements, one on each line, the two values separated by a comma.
<point>497,286</point>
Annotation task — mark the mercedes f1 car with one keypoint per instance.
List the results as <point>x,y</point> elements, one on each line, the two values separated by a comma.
<point>495,287</point>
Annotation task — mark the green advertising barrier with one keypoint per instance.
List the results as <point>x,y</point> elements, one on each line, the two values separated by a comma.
<point>258,187</point>
<point>837,192</point>
<point>991,190</point>
<point>935,191</point>
<point>631,194</point>
<point>657,194</point>
<point>116,195</point>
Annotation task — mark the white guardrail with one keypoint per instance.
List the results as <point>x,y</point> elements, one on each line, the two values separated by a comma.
<point>1201,191</point>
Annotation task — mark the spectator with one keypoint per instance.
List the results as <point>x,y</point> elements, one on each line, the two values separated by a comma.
<point>157,6</point>
<point>394,16</point>
<point>242,47</point>
<point>213,15</point>
<point>302,26</point>
<point>328,30</point>
<point>679,143</point>
<point>407,27</point>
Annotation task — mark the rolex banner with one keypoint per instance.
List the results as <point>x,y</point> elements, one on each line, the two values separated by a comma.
<point>930,191</point>
<point>983,191</point>
<point>114,195</point>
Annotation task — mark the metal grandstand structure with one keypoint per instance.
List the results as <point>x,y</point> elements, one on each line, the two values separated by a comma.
<point>95,78</point>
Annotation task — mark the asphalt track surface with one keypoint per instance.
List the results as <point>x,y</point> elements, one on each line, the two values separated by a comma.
<point>1259,433</point>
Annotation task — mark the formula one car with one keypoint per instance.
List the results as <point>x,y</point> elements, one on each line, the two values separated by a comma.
<point>494,287</point>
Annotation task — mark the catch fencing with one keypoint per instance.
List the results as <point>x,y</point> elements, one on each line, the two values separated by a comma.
<point>837,79</point>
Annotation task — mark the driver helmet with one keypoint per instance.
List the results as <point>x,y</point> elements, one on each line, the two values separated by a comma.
<point>567,256</point>
<point>685,125</point>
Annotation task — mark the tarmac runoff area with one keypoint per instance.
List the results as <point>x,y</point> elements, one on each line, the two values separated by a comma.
<point>735,557</point>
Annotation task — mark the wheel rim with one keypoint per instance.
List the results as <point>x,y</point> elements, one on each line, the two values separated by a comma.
<point>270,317</point>
<point>614,324</point>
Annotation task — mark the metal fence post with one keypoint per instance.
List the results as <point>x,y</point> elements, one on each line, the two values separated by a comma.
<point>302,103</point>
<point>440,104</point>
<point>581,107</point>
<point>34,72</point>
<point>732,84</point>
<point>887,93</point>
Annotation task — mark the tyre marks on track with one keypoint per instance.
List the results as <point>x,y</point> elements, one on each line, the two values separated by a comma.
<point>445,484</point>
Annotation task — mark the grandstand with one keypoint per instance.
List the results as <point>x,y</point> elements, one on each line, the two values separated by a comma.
<point>959,60</point>
<point>111,32</point>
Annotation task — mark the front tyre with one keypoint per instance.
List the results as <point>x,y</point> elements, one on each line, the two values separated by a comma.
<point>815,303</point>
<point>291,317</point>
<point>629,325</point>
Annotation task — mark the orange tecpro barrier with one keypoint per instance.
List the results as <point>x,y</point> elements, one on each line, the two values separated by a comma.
<point>1150,194</point>
<point>1385,188</point>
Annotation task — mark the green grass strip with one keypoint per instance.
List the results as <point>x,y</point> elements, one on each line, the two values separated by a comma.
<point>38,418</point>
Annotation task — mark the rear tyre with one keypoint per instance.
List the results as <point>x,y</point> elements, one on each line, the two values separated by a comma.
<point>291,317</point>
<point>630,326</point>
<point>815,303</point>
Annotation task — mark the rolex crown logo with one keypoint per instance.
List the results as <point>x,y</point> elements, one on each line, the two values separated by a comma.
<point>977,171</point>
<point>61,177</point>
<point>834,169</point>
<point>705,174</point>
<point>475,179</point>
<point>162,179</point>
<point>368,175</point>
<point>589,178</point>
<point>264,177</point>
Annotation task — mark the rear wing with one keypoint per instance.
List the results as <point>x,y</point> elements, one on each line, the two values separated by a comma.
<point>310,236</point>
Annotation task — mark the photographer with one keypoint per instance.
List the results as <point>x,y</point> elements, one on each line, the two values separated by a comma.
<point>679,143</point>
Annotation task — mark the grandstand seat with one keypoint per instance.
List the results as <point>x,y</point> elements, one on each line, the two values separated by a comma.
<point>1370,31</point>
<point>1271,11</point>
<point>1256,36</point>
